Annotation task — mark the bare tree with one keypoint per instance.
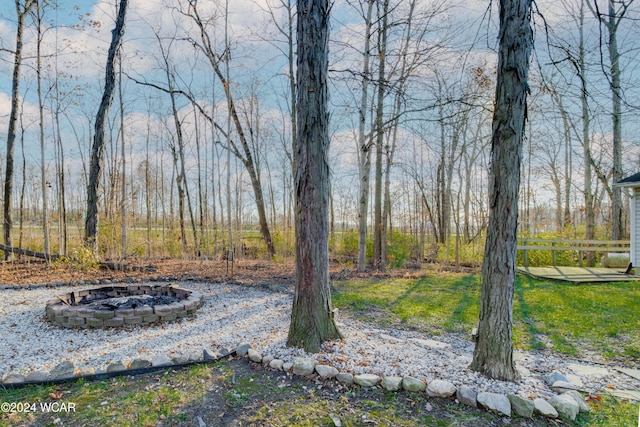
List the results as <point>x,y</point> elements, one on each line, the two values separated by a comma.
<point>616,12</point>
<point>21,11</point>
<point>38,15</point>
<point>241,149</point>
<point>91,220</point>
<point>312,319</point>
<point>364,143</point>
<point>379,232</point>
<point>493,354</point>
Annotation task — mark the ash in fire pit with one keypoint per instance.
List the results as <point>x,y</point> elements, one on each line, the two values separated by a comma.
<point>103,302</point>
<point>122,305</point>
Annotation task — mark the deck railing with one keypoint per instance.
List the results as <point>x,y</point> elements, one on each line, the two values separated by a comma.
<point>581,246</point>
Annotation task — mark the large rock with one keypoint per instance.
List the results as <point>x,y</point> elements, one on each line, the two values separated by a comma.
<point>254,356</point>
<point>160,361</point>
<point>13,379</point>
<point>521,405</point>
<point>582,404</point>
<point>562,386</point>
<point>467,396</point>
<point>367,380</point>
<point>266,360</point>
<point>555,376</point>
<point>440,388</point>
<point>345,378</point>
<point>179,360</point>
<point>37,376</point>
<point>207,356</point>
<point>326,371</point>
<point>495,402</point>
<point>276,364</point>
<point>413,384</point>
<point>544,408</point>
<point>303,366</point>
<point>243,348</point>
<point>65,369</point>
<point>139,364</point>
<point>115,366</point>
<point>391,383</point>
<point>566,406</point>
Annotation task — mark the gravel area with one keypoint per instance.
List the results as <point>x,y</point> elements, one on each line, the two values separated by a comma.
<point>232,314</point>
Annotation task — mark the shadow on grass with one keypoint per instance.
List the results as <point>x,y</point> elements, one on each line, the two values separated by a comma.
<point>409,292</point>
<point>525,311</point>
<point>467,288</point>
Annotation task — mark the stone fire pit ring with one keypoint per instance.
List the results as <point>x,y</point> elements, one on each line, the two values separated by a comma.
<point>113,306</point>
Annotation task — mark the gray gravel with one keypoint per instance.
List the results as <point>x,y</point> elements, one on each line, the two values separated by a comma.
<point>233,314</point>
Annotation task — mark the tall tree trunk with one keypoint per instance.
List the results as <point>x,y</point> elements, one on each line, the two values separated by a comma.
<point>617,223</point>
<point>61,181</point>
<point>590,218</point>
<point>21,13</point>
<point>147,185</point>
<point>312,320</point>
<point>24,182</point>
<point>123,188</point>
<point>493,354</point>
<point>566,126</point>
<point>364,147</point>
<point>379,237</point>
<point>201,221</point>
<point>43,166</point>
<point>91,220</point>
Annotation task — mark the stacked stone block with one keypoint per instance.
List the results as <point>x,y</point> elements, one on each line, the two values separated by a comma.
<point>66,311</point>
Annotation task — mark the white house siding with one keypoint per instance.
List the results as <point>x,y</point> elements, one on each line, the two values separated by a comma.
<point>635,228</point>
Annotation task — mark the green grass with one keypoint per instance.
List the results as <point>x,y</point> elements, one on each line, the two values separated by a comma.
<point>121,401</point>
<point>602,318</point>
<point>566,318</point>
<point>611,412</point>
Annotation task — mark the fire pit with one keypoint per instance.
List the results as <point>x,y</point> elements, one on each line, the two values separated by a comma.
<point>111,306</point>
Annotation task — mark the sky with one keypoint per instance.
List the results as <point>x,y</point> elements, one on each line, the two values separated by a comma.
<point>81,31</point>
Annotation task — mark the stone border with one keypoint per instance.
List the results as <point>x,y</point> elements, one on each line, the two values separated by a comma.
<point>566,404</point>
<point>563,404</point>
<point>66,311</point>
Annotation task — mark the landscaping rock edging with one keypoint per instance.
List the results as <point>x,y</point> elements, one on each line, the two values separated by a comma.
<point>566,404</point>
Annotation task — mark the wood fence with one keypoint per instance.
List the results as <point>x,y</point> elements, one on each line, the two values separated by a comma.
<point>581,246</point>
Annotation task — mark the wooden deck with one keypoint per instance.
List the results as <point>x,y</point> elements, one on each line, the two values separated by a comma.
<point>579,274</point>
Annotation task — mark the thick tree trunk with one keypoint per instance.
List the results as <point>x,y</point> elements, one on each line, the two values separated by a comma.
<point>97,150</point>
<point>312,319</point>
<point>493,354</point>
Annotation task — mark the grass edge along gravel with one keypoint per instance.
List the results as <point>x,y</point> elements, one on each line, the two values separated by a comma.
<point>600,319</point>
<point>240,393</point>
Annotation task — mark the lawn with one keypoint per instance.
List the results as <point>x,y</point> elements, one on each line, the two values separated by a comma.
<point>235,393</point>
<point>600,318</point>
<point>603,318</point>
